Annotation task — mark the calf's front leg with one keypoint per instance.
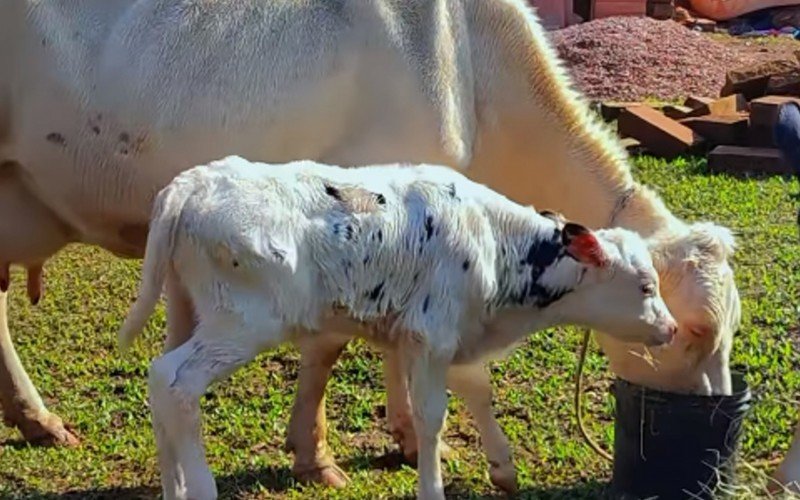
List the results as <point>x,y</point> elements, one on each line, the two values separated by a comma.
<point>429,402</point>
<point>398,407</point>
<point>313,461</point>
<point>473,384</point>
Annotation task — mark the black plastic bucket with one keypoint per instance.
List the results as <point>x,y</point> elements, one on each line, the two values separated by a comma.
<point>675,446</point>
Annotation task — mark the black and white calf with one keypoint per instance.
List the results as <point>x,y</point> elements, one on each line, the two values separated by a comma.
<point>417,258</point>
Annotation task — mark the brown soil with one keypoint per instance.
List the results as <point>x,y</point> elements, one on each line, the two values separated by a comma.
<point>635,58</point>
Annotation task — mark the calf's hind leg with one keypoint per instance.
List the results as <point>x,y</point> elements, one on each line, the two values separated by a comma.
<point>29,234</point>
<point>180,325</point>
<point>178,379</point>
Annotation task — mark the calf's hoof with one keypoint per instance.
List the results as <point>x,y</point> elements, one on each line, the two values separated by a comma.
<point>328,474</point>
<point>504,477</point>
<point>45,429</point>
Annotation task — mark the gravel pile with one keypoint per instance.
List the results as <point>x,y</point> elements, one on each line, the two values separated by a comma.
<point>632,58</point>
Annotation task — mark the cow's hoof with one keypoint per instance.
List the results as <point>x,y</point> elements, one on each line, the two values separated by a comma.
<point>329,475</point>
<point>504,477</point>
<point>46,429</point>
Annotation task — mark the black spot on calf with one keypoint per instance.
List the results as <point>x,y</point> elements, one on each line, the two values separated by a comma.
<point>333,192</point>
<point>544,252</point>
<point>428,227</point>
<point>279,255</point>
<point>465,265</point>
<point>376,292</point>
<point>451,190</point>
<point>426,303</point>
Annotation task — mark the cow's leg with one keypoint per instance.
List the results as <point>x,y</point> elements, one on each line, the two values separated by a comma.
<point>313,461</point>
<point>22,405</point>
<point>29,234</point>
<point>428,387</point>
<point>398,405</point>
<point>472,383</point>
<point>177,381</point>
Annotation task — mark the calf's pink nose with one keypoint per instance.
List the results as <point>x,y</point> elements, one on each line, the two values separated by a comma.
<point>672,329</point>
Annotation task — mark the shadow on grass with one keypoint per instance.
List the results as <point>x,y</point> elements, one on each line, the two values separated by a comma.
<point>593,490</point>
<point>389,461</point>
<point>272,479</point>
<point>394,460</point>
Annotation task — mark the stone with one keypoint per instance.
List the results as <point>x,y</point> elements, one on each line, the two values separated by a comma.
<point>658,133</point>
<point>764,110</point>
<point>695,102</point>
<point>675,111</point>
<point>730,130</point>
<point>752,81</point>
<point>784,84</point>
<point>748,160</point>
<point>610,110</point>
<point>724,106</point>
<point>760,136</point>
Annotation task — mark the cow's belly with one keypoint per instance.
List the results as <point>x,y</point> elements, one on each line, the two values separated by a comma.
<point>99,170</point>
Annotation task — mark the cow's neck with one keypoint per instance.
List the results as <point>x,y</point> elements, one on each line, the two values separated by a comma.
<point>536,140</point>
<point>584,175</point>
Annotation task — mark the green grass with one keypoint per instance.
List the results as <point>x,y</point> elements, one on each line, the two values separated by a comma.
<point>68,345</point>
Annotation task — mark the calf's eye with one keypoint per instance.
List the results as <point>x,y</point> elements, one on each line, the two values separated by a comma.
<point>648,289</point>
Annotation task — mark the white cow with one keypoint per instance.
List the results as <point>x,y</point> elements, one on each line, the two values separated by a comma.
<point>103,102</point>
<point>432,265</point>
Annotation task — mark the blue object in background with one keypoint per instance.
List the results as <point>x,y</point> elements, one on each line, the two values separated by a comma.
<point>787,136</point>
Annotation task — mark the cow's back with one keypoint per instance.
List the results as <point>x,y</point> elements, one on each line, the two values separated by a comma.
<point>126,95</point>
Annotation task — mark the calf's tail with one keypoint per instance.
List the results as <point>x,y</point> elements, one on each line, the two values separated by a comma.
<point>161,238</point>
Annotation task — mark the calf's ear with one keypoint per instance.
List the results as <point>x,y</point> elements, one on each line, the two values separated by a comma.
<point>559,219</point>
<point>582,245</point>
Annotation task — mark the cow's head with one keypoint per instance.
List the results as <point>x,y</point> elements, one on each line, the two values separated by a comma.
<point>698,284</point>
<point>618,290</point>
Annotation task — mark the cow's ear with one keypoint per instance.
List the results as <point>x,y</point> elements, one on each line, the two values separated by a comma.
<point>582,245</point>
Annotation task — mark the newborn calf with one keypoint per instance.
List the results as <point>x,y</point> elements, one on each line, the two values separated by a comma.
<point>417,258</point>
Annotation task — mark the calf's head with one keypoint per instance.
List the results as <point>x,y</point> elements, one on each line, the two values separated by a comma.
<point>618,288</point>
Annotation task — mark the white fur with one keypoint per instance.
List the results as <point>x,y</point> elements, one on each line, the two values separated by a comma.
<point>264,250</point>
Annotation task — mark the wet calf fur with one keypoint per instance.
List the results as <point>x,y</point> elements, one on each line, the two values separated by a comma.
<point>418,259</point>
